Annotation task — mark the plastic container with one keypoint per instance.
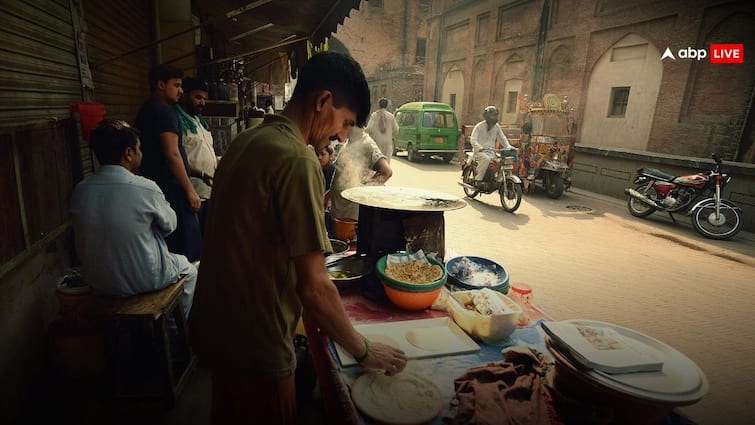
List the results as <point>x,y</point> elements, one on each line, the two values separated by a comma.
<point>490,329</point>
<point>233,92</point>
<point>222,90</point>
<point>345,228</point>
<point>73,294</point>
<point>521,293</point>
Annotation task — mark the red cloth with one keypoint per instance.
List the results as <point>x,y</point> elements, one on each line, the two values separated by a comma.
<point>506,392</point>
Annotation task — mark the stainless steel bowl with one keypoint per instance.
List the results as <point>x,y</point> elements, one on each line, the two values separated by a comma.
<point>350,271</point>
<point>339,246</point>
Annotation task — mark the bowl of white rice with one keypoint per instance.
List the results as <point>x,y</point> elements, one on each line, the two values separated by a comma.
<point>471,273</point>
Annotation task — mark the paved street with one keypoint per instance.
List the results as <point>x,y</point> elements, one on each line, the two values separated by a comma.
<point>586,257</point>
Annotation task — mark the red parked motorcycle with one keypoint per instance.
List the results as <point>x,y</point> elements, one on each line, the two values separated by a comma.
<point>713,217</point>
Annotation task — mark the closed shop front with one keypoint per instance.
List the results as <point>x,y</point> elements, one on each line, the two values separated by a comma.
<point>40,77</point>
<point>42,155</point>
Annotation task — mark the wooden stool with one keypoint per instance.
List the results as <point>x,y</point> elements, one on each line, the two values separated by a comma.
<point>172,356</point>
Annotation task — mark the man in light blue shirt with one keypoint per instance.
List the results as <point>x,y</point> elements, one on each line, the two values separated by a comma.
<point>120,221</point>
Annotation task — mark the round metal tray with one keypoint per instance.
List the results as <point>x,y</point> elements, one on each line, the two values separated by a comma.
<point>403,198</point>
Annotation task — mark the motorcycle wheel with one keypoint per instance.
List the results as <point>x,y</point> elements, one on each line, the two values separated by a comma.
<point>511,195</point>
<point>727,225</point>
<point>467,176</point>
<point>554,184</point>
<point>638,208</point>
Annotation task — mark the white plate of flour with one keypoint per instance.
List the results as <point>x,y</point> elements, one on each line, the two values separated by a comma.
<point>403,399</point>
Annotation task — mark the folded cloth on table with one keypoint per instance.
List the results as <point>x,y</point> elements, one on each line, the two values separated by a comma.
<point>507,392</point>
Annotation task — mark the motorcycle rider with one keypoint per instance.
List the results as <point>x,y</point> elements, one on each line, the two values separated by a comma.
<point>483,140</point>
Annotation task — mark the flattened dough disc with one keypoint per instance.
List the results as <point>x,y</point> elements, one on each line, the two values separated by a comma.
<point>383,339</point>
<point>403,399</point>
<point>430,339</point>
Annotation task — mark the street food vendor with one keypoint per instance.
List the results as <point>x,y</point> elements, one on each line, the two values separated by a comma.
<point>264,265</point>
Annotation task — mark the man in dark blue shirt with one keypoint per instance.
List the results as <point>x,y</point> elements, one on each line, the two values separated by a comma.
<point>165,158</point>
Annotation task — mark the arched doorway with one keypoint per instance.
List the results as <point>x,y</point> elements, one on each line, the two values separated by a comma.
<point>480,92</point>
<point>621,95</point>
<point>453,89</point>
<point>508,87</point>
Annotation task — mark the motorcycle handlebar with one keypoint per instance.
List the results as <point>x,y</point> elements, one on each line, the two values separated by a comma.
<point>513,149</point>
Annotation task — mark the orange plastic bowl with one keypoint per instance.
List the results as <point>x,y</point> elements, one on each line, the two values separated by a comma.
<point>410,296</point>
<point>413,301</point>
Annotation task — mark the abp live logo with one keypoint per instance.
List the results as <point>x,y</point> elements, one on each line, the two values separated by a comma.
<point>727,53</point>
<point>719,53</point>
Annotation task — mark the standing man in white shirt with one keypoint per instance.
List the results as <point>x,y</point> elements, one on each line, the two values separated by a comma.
<point>483,140</point>
<point>381,127</point>
<point>359,163</point>
<point>197,139</point>
<point>120,221</point>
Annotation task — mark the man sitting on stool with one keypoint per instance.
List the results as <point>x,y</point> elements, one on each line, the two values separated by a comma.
<point>120,221</point>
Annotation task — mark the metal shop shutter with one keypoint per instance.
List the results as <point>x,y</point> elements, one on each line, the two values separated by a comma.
<point>116,28</point>
<point>38,69</point>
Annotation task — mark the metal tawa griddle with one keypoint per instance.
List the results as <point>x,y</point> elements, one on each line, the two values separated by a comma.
<point>395,219</point>
<point>403,198</point>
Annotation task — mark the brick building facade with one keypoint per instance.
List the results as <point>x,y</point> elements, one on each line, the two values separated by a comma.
<point>605,55</point>
<point>388,37</point>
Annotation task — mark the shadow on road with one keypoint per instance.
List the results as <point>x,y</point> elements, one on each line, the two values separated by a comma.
<point>568,205</point>
<point>496,214</point>
<point>683,233</point>
<point>576,205</point>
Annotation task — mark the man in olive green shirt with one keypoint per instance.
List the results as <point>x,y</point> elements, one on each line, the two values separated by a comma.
<point>263,265</point>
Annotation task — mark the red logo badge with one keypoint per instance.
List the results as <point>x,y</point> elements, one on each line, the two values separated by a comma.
<point>727,53</point>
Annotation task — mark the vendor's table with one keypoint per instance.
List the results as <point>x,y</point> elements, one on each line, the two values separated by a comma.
<point>335,380</point>
<point>364,308</point>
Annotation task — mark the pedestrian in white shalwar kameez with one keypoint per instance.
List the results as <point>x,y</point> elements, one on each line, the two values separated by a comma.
<point>381,127</point>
